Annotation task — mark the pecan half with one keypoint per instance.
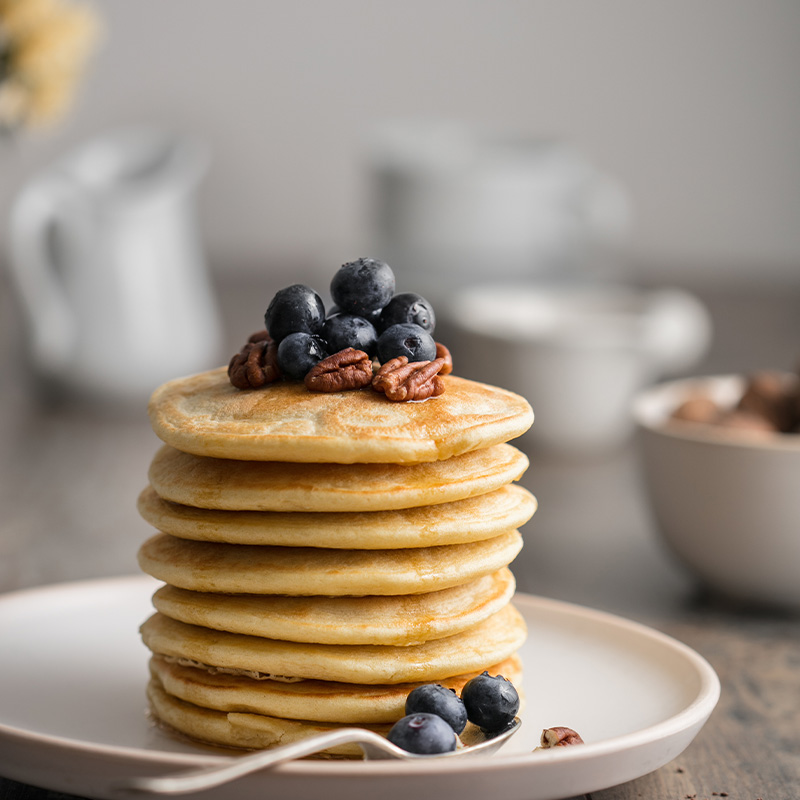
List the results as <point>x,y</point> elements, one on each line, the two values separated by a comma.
<point>259,336</point>
<point>256,364</point>
<point>767,395</point>
<point>347,369</point>
<point>559,737</point>
<point>443,352</point>
<point>400,380</point>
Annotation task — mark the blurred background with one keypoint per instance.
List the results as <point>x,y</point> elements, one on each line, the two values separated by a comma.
<point>693,109</point>
<point>214,152</point>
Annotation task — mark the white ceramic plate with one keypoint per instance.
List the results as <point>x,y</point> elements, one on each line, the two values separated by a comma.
<point>73,719</point>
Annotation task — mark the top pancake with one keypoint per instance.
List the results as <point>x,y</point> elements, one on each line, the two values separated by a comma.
<point>205,415</point>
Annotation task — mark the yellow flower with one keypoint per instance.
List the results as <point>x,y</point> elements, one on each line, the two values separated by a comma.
<point>19,17</point>
<point>44,45</point>
<point>49,100</point>
<point>61,44</point>
<point>13,102</point>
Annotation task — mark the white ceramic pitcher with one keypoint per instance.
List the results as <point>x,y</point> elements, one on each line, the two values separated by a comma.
<point>109,269</point>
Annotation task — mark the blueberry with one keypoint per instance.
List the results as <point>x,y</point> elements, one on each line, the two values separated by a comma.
<point>371,316</point>
<point>346,330</point>
<point>408,307</point>
<point>492,702</point>
<point>424,734</point>
<point>407,340</point>
<point>298,352</point>
<point>433,698</point>
<point>295,309</point>
<point>374,317</point>
<point>362,287</point>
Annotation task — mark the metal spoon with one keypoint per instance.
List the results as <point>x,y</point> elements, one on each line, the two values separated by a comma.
<point>374,746</point>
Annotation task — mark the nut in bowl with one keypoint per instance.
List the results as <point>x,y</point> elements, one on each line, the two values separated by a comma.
<point>724,489</point>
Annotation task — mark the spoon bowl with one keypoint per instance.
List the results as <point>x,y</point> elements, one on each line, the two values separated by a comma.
<point>373,745</point>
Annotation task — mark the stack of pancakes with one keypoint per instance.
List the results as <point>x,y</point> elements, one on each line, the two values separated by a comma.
<point>323,554</point>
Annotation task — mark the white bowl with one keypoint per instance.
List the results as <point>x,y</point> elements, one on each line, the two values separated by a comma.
<point>727,502</point>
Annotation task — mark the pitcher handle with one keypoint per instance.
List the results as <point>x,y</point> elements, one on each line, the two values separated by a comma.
<point>41,289</point>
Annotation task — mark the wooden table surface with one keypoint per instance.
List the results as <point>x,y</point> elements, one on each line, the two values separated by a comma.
<point>69,477</point>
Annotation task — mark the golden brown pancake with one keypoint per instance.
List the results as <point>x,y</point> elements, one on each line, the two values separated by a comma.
<point>395,620</point>
<point>203,414</point>
<point>278,486</point>
<point>319,701</point>
<point>489,642</point>
<point>261,569</point>
<point>469,520</point>
<point>238,730</point>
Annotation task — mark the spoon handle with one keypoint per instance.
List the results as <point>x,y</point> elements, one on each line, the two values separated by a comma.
<point>209,777</point>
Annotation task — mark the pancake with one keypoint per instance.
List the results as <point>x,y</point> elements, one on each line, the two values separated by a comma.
<point>204,415</point>
<point>240,731</point>
<point>488,642</point>
<point>320,701</point>
<point>261,569</point>
<point>394,620</point>
<point>468,520</point>
<point>277,486</point>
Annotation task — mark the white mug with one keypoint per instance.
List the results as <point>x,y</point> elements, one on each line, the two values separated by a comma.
<point>109,268</point>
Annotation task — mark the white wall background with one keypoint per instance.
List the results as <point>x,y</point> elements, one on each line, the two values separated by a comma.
<point>694,106</point>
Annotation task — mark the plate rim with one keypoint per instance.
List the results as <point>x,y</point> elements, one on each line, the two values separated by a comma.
<point>692,715</point>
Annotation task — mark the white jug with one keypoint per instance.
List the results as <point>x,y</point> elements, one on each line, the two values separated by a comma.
<point>109,269</point>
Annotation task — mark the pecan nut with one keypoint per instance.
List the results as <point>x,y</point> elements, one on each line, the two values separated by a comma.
<point>443,352</point>
<point>769,396</point>
<point>347,369</point>
<point>400,380</point>
<point>256,364</point>
<point>559,737</point>
<point>259,336</point>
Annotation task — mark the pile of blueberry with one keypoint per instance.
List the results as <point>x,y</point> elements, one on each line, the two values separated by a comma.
<point>367,316</point>
<point>435,715</point>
